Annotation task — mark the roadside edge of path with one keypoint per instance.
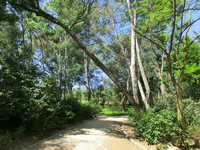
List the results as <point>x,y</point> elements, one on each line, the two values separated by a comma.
<point>46,139</point>
<point>132,140</point>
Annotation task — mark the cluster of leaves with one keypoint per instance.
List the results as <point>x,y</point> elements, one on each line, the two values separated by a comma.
<point>157,127</point>
<point>191,112</point>
<point>191,108</point>
<point>159,124</point>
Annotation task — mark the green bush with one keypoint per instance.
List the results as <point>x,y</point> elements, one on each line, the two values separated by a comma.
<point>191,112</point>
<point>36,104</point>
<point>133,116</point>
<point>19,131</point>
<point>91,109</point>
<point>158,127</point>
<point>168,102</point>
<point>5,139</point>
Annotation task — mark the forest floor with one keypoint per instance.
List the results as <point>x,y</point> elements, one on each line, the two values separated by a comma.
<point>102,133</point>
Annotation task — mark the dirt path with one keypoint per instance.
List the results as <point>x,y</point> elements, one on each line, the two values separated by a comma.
<point>97,134</point>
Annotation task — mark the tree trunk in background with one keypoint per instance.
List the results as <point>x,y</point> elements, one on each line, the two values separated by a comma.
<point>162,86</point>
<point>159,73</point>
<point>87,78</point>
<point>65,72</point>
<point>23,43</point>
<point>123,100</point>
<point>59,74</point>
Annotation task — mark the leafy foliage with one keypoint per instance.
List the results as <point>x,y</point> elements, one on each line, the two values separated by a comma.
<point>158,127</point>
<point>191,112</point>
<point>37,105</point>
<point>5,140</point>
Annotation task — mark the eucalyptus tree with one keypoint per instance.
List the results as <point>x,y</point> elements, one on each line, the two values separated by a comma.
<point>173,20</point>
<point>112,30</point>
<point>135,58</point>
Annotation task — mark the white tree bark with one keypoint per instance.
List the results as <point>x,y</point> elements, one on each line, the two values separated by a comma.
<point>132,14</point>
<point>135,54</point>
<point>159,73</point>
<point>145,97</point>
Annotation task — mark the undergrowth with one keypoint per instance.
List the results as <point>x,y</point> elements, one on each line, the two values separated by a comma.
<point>112,111</point>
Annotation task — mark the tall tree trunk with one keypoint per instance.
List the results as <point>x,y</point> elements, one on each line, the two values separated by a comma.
<point>179,93</point>
<point>145,97</point>
<point>59,74</point>
<point>23,42</point>
<point>135,54</point>
<point>65,72</point>
<point>123,101</point>
<point>162,85</point>
<point>159,73</point>
<point>87,78</point>
<point>132,14</point>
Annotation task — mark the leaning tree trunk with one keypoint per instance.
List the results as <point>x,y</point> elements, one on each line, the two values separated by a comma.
<point>49,17</point>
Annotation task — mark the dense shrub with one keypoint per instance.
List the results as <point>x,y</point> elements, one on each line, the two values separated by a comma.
<point>37,106</point>
<point>158,127</point>
<point>133,116</point>
<point>5,139</point>
<point>64,111</point>
<point>168,102</point>
<point>191,112</point>
<point>82,110</point>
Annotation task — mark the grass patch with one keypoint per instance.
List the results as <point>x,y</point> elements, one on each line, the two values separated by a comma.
<point>111,111</point>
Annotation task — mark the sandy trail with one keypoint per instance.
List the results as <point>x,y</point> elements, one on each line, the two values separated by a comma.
<point>102,133</point>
